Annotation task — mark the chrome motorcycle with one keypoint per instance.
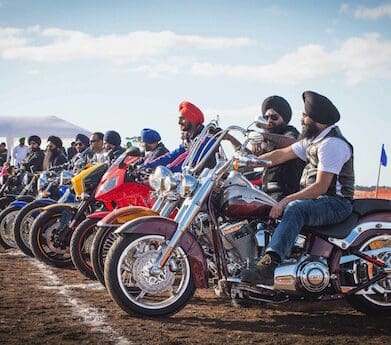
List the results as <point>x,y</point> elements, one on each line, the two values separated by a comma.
<point>156,264</point>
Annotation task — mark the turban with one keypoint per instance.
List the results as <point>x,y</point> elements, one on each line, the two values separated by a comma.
<point>150,136</point>
<point>22,139</point>
<point>280,105</point>
<point>113,138</point>
<point>56,141</point>
<point>83,139</point>
<point>191,113</point>
<point>34,138</point>
<point>320,109</point>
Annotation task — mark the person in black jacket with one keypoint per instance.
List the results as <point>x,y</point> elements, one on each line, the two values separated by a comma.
<point>112,145</point>
<point>151,141</point>
<point>54,155</point>
<point>34,159</point>
<point>284,179</point>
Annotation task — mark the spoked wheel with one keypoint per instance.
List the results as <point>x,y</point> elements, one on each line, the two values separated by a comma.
<point>376,299</point>
<point>135,289</point>
<point>48,241</point>
<point>7,220</point>
<point>81,247</point>
<point>101,244</point>
<point>23,224</point>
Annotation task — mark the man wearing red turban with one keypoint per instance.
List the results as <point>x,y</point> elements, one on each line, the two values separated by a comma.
<point>190,124</point>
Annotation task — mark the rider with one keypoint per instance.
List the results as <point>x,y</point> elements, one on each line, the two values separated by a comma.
<point>54,155</point>
<point>112,145</point>
<point>151,141</point>
<point>190,123</point>
<point>283,179</point>
<point>327,183</point>
<point>34,159</point>
<point>96,145</point>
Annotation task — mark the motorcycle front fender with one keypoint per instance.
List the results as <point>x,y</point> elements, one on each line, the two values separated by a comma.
<point>98,215</point>
<point>154,225</point>
<point>27,198</point>
<point>126,214</point>
<point>19,203</point>
<point>60,206</point>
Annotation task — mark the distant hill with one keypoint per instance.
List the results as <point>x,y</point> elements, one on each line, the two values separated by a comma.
<point>370,192</point>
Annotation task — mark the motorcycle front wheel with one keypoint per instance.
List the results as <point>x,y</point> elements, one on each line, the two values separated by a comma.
<point>101,244</point>
<point>48,243</point>
<point>7,220</point>
<point>80,248</point>
<point>132,286</point>
<point>376,299</point>
<point>23,224</point>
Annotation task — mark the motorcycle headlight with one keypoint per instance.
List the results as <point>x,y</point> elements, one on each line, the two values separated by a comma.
<point>156,180</point>
<point>108,185</point>
<point>170,183</point>
<point>66,177</point>
<point>188,185</point>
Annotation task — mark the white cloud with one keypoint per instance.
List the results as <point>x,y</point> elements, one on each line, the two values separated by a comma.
<point>54,44</point>
<point>358,59</point>
<point>373,13</point>
<point>344,8</point>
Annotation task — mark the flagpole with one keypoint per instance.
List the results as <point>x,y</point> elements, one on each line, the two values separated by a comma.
<point>377,183</point>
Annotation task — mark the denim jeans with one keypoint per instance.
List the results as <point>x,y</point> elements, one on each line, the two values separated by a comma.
<point>310,212</point>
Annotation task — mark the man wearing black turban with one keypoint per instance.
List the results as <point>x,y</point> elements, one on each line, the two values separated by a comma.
<point>284,179</point>
<point>34,159</point>
<point>54,154</point>
<point>327,183</point>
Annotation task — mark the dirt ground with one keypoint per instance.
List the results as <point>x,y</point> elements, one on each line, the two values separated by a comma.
<point>45,305</point>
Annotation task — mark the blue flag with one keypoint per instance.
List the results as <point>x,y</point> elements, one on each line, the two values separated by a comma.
<point>383,157</point>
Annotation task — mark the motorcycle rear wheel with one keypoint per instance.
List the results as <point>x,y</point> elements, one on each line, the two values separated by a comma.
<point>80,247</point>
<point>134,289</point>
<point>7,219</point>
<point>101,244</point>
<point>376,300</point>
<point>42,241</point>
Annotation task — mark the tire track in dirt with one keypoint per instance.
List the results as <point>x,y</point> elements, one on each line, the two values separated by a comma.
<point>96,321</point>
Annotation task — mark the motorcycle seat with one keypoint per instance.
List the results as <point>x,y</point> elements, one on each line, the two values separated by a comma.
<point>339,230</point>
<point>367,206</point>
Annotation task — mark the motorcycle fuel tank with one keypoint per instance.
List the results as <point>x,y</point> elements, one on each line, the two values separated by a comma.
<point>239,202</point>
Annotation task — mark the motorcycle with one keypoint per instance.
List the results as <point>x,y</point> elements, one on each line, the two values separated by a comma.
<point>52,188</point>
<point>156,264</point>
<point>23,184</point>
<point>123,184</point>
<point>165,205</point>
<point>51,231</point>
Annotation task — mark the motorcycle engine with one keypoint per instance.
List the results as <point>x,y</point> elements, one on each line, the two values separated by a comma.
<point>239,237</point>
<point>306,274</point>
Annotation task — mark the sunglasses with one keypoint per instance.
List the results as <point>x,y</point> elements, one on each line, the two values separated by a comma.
<point>33,143</point>
<point>273,117</point>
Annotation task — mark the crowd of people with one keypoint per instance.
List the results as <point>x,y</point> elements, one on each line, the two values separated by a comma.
<point>311,176</point>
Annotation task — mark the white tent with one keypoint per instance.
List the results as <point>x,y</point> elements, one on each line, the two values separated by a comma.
<point>12,128</point>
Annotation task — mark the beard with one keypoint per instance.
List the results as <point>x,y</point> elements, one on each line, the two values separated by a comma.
<point>309,131</point>
<point>276,129</point>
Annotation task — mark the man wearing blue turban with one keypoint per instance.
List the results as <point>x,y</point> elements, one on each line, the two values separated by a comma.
<point>151,141</point>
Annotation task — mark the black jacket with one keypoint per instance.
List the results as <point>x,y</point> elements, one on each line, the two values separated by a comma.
<point>33,160</point>
<point>160,150</point>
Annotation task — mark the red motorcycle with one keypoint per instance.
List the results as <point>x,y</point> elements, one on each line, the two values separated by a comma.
<point>122,185</point>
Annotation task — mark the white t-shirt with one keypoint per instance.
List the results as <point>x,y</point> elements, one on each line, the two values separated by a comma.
<point>18,154</point>
<point>333,153</point>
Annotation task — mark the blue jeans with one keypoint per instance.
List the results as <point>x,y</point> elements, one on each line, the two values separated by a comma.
<point>310,212</point>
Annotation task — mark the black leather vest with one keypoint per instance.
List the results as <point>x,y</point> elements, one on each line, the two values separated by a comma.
<point>345,177</point>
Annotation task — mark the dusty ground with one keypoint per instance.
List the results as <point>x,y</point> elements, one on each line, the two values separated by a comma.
<point>44,305</point>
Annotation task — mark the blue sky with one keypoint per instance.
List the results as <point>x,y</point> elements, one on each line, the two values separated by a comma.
<point>126,65</point>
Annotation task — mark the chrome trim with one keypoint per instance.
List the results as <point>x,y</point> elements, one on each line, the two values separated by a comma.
<point>108,225</point>
<point>260,237</point>
<point>357,231</point>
